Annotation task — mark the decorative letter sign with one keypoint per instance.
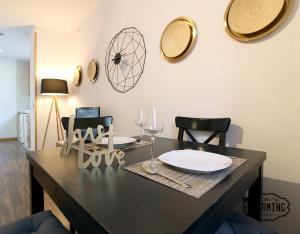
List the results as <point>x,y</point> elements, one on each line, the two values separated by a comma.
<point>94,157</point>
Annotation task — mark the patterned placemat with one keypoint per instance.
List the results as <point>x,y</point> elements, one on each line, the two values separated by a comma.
<point>90,147</point>
<point>135,145</point>
<point>200,183</point>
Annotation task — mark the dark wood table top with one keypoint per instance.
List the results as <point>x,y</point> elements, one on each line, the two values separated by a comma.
<point>120,201</point>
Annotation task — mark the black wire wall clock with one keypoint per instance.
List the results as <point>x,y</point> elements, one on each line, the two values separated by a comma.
<point>125,59</point>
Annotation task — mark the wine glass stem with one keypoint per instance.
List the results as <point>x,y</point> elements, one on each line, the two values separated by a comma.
<point>152,148</point>
<point>141,134</point>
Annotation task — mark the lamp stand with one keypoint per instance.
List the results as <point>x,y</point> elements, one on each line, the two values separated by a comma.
<point>59,130</point>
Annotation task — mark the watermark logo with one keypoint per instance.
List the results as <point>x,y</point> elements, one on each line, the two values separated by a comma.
<point>273,207</point>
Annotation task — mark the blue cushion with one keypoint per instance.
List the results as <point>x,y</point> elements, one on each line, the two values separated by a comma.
<point>237,223</point>
<point>40,223</point>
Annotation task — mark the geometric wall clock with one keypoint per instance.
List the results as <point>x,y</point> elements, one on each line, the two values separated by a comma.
<point>178,39</point>
<point>77,76</point>
<point>248,20</point>
<point>93,70</point>
<point>125,59</point>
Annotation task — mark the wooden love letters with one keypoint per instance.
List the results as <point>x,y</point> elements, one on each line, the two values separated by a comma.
<point>94,157</point>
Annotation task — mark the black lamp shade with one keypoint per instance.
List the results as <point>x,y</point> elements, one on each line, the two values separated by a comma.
<point>54,87</point>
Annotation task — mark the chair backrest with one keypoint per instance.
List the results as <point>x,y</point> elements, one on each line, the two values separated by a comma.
<point>84,123</point>
<point>87,112</point>
<point>217,126</point>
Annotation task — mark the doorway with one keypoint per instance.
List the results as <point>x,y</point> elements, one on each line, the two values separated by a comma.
<point>18,85</point>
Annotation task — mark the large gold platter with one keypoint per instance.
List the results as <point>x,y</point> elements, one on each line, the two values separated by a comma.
<point>177,39</point>
<point>248,20</point>
<point>93,70</point>
<point>77,76</point>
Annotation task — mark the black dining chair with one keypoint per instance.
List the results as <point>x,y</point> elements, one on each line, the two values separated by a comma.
<point>84,123</point>
<point>218,126</point>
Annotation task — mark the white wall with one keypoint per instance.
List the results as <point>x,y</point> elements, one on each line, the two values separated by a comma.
<point>8,102</point>
<point>51,59</point>
<point>22,84</point>
<point>256,84</point>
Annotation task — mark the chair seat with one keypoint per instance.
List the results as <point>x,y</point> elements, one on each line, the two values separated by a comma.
<point>40,223</point>
<point>237,223</point>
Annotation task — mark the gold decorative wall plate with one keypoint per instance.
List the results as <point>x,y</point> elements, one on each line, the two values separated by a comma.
<point>247,20</point>
<point>77,76</point>
<point>177,39</point>
<point>93,70</point>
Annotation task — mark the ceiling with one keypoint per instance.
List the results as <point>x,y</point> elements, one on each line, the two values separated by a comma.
<point>15,43</point>
<point>55,15</point>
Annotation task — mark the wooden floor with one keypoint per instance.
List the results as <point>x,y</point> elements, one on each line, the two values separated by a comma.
<point>14,185</point>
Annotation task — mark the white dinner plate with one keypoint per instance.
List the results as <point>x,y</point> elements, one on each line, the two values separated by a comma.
<point>196,161</point>
<point>118,140</point>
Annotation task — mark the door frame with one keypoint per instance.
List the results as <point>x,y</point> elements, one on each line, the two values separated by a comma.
<point>33,89</point>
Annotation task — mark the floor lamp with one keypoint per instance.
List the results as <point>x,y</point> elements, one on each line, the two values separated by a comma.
<point>54,88</point>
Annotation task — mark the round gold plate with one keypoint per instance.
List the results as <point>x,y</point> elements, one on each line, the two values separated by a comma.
<point>93,70</point>
<point>77,76</point>
<point>247,20</point>
<point>177,39</point>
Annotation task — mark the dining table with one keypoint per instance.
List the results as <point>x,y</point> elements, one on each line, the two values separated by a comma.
<point>110,199</point>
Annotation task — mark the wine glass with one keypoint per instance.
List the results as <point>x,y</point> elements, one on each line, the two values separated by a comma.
<point>153,126</point>
<point>139,121</point>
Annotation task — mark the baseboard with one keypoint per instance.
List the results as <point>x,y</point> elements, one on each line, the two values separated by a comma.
<point>8,139</point>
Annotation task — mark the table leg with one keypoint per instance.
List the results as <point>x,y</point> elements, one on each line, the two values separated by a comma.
<point>36,193</point>
<point>254,196</point>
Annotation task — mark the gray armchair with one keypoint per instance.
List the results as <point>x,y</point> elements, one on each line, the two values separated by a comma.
<point>40,223</point>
